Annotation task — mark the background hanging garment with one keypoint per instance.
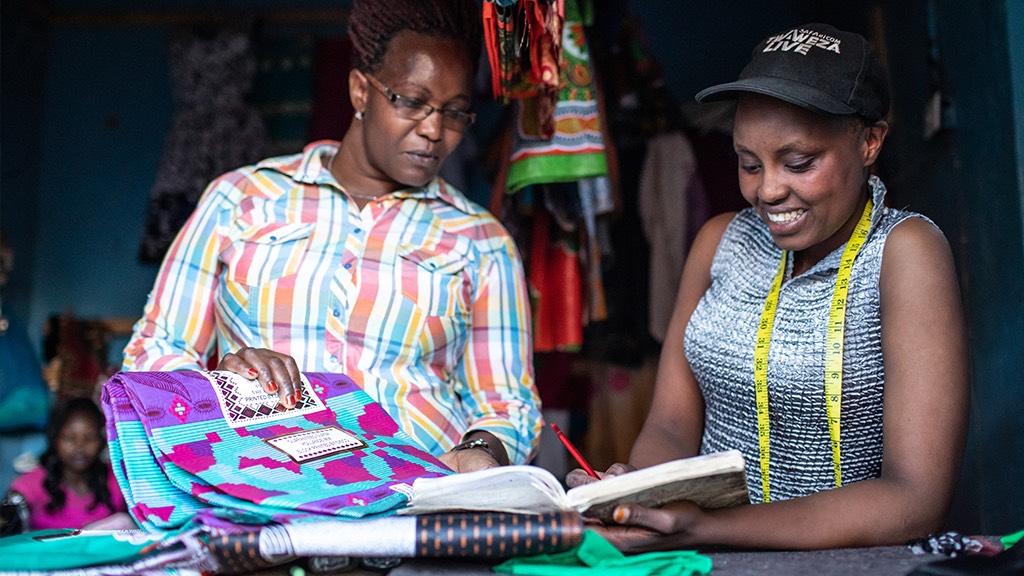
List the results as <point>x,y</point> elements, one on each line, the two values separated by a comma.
<point>215,129</point>
<point>595,200</point>
<point>555,285</point>
<point>668,181</point>
<point>523,42</point>
<point>575,148</point>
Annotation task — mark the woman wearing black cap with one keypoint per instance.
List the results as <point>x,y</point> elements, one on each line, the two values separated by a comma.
<point>818,331</point>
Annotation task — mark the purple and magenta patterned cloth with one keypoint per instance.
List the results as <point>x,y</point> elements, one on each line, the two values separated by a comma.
<point>187,445</point>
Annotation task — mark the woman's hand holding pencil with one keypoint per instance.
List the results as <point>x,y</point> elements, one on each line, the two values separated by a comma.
<point>587,474</point>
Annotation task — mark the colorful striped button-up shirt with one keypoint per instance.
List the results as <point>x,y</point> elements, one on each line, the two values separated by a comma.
<point>419,297</point>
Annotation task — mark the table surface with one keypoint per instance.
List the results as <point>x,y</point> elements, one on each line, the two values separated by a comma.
<point>881,561</point>
<point>878,561</point>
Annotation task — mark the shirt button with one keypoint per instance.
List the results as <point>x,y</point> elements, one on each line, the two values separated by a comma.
<point>336,312</point>
<point>334,359</point>
<point>348,265</point>
<point>358,231</point>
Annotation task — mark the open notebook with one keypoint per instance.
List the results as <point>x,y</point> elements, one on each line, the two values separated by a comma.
<point>712,481</point>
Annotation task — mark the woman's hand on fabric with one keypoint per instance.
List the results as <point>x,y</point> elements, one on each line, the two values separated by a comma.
<point>468,460</point>
<point>277,373</point>
<point>579,476</point>
<point>636,528</point>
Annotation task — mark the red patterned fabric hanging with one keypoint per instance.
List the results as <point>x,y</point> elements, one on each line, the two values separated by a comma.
<point>523,41</point>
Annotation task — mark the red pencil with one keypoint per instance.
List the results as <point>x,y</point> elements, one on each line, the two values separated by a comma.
<point>572,450</point>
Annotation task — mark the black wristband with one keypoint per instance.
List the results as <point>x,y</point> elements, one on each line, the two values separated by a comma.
<point>476,443</point>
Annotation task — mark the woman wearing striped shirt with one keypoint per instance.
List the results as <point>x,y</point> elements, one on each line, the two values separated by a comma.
<point>355,257</point>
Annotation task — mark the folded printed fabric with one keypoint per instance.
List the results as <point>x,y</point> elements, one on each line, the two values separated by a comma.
<point>241,547</point>
<point>183,442</point>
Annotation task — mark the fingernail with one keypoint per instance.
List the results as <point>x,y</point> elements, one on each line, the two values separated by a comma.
<point>620,515</point>
<point>298,396</point>
<point>289,401</point>
<point>253,372</point>
<point>271,386</point>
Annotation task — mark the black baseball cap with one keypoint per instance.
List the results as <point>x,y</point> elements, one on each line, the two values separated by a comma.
<point>814,66</point>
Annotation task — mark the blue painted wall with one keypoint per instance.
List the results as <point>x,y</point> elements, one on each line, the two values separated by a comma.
<point>1015,44</point>
<point>107,108</point>
<point>976,49</point>
<point>86,107</point>
<point>23,54</point>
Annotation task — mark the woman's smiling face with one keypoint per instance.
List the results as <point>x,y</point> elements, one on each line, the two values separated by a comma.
<point>805,173</point>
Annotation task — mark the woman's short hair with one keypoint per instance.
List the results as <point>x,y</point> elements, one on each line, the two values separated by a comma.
<point>373,23</point>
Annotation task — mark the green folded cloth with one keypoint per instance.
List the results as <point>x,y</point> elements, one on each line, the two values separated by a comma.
<point>595,556</point>
<point>46,550</point>
<point>1011,539</point>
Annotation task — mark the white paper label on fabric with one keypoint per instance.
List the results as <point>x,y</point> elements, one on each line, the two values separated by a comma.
<point>403,488</point>
<point>244,402</point>
<point>316,443</point>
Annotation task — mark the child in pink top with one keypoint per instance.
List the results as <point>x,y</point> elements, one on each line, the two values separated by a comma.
<point>73,487</point>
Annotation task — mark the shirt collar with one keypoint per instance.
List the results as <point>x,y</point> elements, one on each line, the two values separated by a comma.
<point>312,166</point>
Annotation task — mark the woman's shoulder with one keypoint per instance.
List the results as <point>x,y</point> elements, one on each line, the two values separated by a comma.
<point>272,178</point>
<point>717,225</point>
<point>706,245</point>
<point>457,200</point>
<point>905,223</point>
<point>737,226</point>
<point>711,233</point>
<point>737,232</point>
<point>914,236</point>
<point>916,256</point>
<point>461,216</point>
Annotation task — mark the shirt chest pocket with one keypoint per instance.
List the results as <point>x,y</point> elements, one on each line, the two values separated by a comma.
<point>439,284</point>
<point>267,251</point>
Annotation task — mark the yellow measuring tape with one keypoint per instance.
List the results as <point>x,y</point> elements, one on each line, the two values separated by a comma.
<point>833,351</point>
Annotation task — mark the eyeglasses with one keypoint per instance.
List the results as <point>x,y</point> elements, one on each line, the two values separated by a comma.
<point>414,109</point>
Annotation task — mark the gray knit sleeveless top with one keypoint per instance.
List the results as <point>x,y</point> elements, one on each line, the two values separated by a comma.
<point>720,349</point>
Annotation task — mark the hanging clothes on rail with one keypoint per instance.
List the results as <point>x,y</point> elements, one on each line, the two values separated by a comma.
<point>669,201</point>
<point>566,143</point>
<point>215,129</point>
<point>556,157</point>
